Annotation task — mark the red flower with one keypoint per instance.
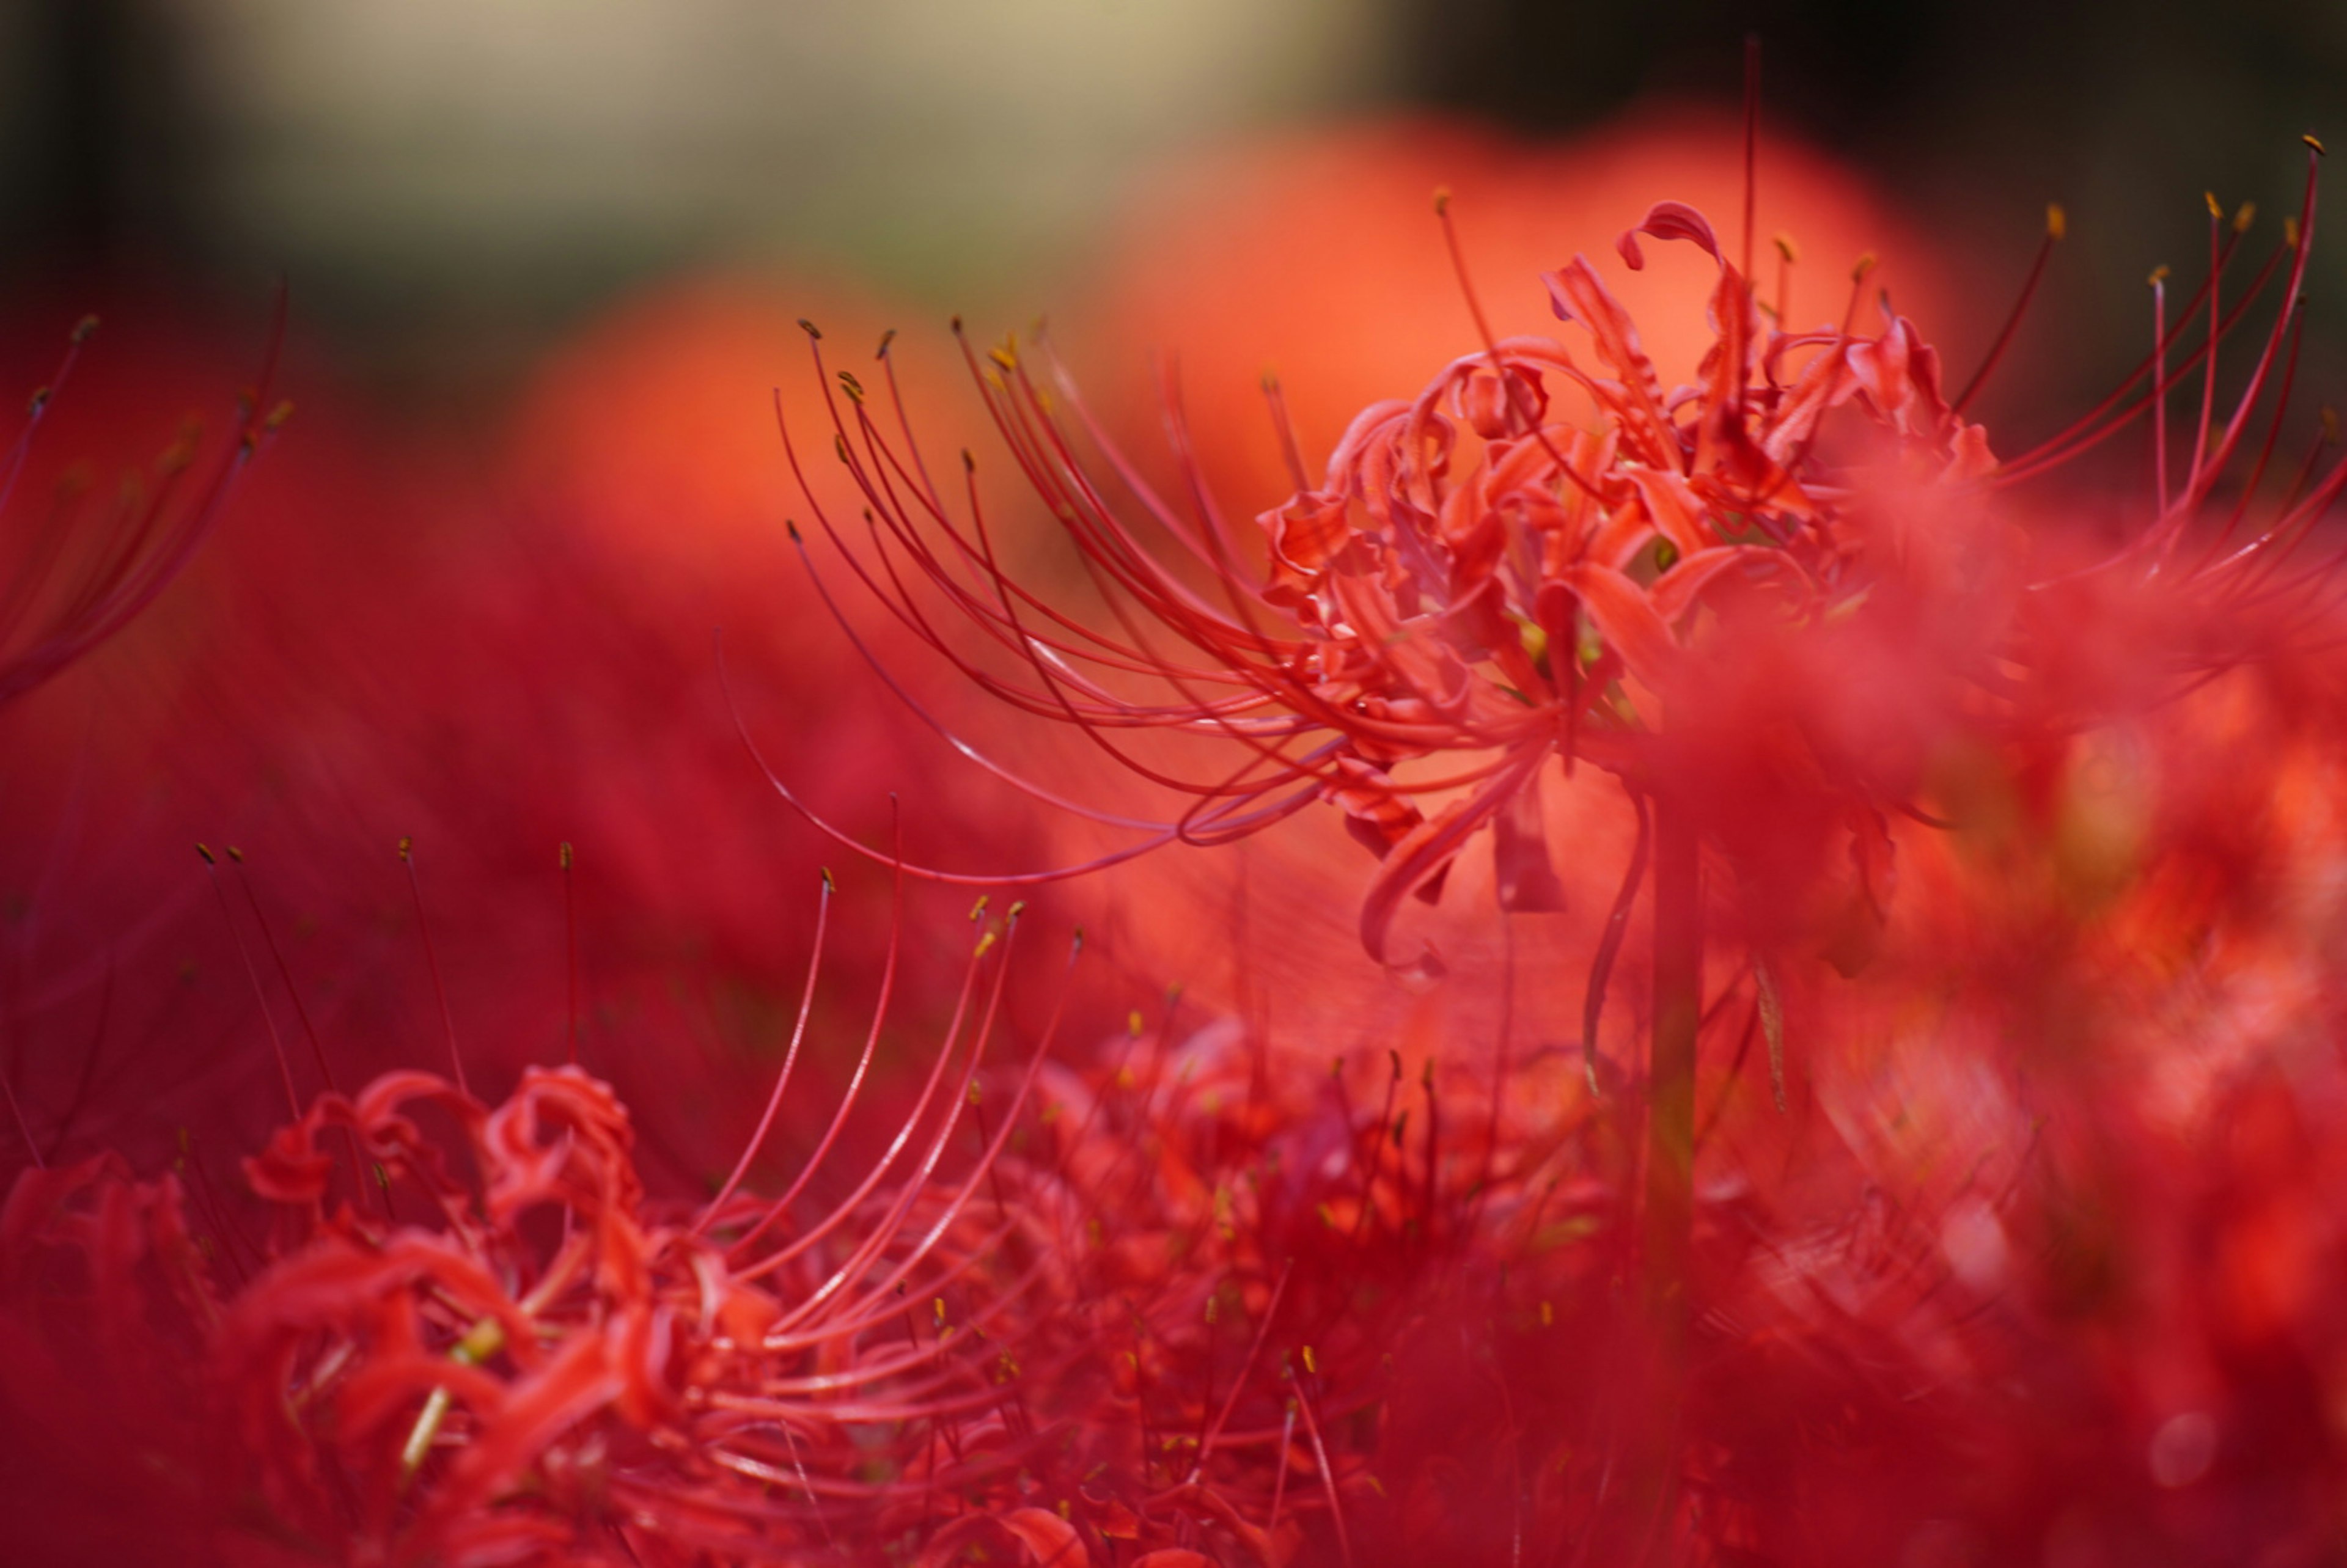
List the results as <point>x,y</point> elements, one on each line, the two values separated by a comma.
<point>546,1364</point>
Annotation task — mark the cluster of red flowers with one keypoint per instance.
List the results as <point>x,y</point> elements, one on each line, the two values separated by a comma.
<point>1957,1191</point>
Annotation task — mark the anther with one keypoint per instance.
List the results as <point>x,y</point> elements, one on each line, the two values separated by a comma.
<point>1786,250</point>
<point>207,854</point>
<point>2311,140</point>
<point>885,339</point>
<point>1866,263</point>
<point>2057,223</point>
<point>2215,211</point>
<point>2159,275</point>
<point>1441,200</point>
<point>811,330</point>
<point>82,329</point>
<point>2247,215</point>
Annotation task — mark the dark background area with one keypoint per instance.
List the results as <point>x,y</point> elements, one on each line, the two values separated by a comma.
<point>129,135</point>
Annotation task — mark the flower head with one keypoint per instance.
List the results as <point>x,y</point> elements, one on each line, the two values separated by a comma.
<point>1776,594</point>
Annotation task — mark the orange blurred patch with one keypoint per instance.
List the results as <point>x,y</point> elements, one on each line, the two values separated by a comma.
<point>655,429</point>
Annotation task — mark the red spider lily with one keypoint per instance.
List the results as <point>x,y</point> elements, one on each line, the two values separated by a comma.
<point>546,1364</point>
<point>384,644</point>
<point>1770,602</point>
<point>78,575</point>
<point>66,593</point>
<point>1412,603</point>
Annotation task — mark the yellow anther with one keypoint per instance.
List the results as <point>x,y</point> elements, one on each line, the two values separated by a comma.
<point>1786,249</point>
<point>2057,223</point>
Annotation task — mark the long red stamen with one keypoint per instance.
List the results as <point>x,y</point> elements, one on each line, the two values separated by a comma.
<point>252,975</point>
<point>1289,452</point>
<point>432,962</point>
<point>2216,329</point>
<point>284,973</point>
<point>1238,1384</point>
<point>709,1210</point>
<point>2056,225</point>
<point>570,940</point>
<point>2159,384</point>
<point>1327,1473</point>
<point>1518,398</point>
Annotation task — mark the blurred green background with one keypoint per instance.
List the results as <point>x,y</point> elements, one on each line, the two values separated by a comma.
<point>450,182</point>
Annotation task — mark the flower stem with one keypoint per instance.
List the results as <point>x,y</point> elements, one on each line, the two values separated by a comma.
<point>1666,1218</point>
<point>1669,1209</point>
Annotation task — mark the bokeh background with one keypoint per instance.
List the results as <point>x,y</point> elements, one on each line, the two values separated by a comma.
<point>450,184</point>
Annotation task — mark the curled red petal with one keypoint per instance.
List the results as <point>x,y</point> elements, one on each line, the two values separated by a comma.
<point>1668,221</point>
